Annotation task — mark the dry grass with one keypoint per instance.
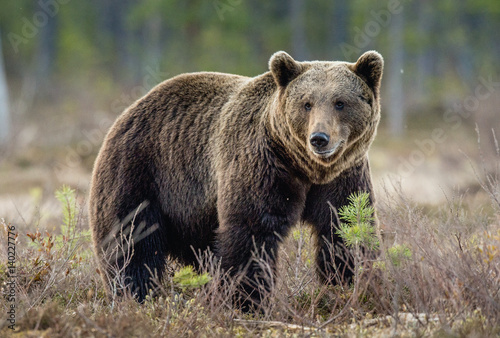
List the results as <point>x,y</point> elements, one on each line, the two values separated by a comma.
<point>438,274</point>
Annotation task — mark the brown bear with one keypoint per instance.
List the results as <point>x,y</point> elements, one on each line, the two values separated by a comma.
<point>232,163</point>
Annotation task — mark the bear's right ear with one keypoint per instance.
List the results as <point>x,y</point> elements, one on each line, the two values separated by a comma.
<point>284,68</point>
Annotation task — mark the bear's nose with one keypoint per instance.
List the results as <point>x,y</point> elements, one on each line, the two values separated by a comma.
<point>319,140</point>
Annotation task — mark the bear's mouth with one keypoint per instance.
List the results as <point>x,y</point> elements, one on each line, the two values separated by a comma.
<point>327,152</point>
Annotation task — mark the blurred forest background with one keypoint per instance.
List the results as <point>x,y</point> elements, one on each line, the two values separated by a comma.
<point>69,68</point>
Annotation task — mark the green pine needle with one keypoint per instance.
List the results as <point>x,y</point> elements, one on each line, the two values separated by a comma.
<point>357,229</point>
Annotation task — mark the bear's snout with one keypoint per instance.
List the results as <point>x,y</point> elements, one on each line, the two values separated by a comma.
<point>322,146</point>
<point>319,140</point>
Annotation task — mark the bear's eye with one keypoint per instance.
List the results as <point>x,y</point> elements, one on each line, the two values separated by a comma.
<point>307,106</point>
<point>339,105</point>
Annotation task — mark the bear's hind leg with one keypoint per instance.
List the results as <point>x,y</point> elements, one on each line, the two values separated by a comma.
<point>139,258</point>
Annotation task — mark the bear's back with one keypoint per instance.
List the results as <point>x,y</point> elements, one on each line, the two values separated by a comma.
<point>164,139</point>
<point>192,108</point>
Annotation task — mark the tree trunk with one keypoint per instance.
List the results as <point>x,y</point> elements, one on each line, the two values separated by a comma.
<point>424,61</point>
<point>111,22</point>
<point>396,102</point>
<point>338,28</point>
<point>46,52</point>
<point>298,30</point>
<point>4,103</point>
<point>464,55</point>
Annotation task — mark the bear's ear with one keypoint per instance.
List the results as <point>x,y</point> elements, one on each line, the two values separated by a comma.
<point>369,67</point>
<point>284,68</point>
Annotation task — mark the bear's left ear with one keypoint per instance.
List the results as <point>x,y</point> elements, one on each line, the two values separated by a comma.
<point>370,67</point>
<point>284,68</point>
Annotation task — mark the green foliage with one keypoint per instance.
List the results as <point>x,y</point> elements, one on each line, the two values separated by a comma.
<point>70,235</point>
<point>358,217</point>
<point>399,253</point>
<point>65,247</point>
<point>141,43</point>
<point>187,279</point>
<point>320,301</point>
<point>67,197</point>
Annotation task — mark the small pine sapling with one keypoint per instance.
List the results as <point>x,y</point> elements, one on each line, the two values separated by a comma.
<point>358,229</point>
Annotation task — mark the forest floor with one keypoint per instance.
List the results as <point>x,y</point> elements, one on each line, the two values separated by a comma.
<point>438,273</point>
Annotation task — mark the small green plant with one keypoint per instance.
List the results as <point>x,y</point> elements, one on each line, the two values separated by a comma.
<point>358,229</point>
<point>187,279</point>
<point>65,246</point>
<point>358,234</point>
<point>69,231</point>
<point>398,254</point>
<point>67,197</point>
<point>319,301</point>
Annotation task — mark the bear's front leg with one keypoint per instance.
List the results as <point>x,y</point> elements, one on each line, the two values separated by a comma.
<point>334,261</point>
<point>251,257</point>
<point>251,227</point>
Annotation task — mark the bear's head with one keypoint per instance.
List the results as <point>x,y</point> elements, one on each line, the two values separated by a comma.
<point>327,111</point>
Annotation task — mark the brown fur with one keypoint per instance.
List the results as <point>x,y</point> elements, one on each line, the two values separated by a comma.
<point>227,162</point>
